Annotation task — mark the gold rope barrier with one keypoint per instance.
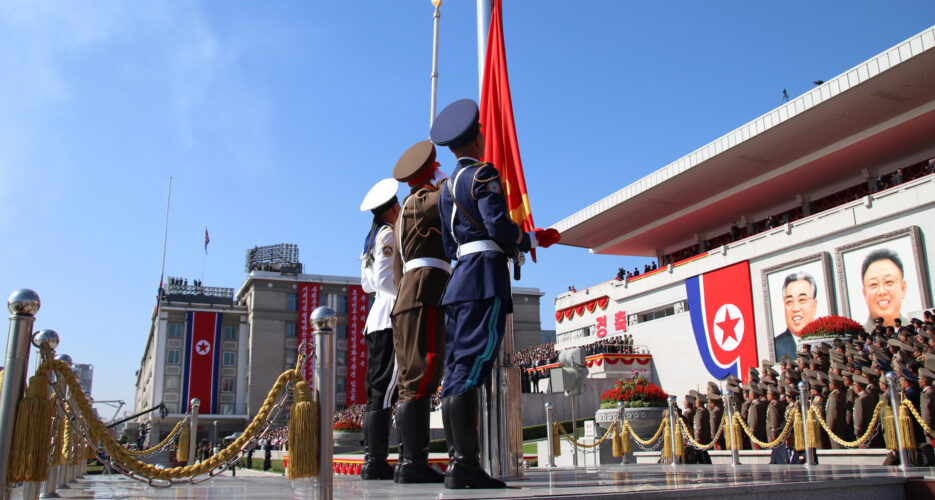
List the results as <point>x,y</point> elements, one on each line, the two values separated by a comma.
<point>771,444</point>
<point>858,442</point>
<point>572,440</point>
<point>99,432</point>
<point>912,409</point>
<point>175,430</point>
<point>650,441</point>
<point>696,444</point>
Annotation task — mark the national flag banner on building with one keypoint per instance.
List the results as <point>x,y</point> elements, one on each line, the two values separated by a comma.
<point>496,118</point>
<point>309,300</point>
<point>720,305</point>
<point>202,360</point>
<point>358,305</point>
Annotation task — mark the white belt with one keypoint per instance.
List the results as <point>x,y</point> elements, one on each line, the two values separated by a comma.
<point>426,262</point>
<point>478,246</point>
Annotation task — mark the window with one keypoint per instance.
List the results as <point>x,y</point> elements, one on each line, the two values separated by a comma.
<point>339,384</point>
<point>172,407</point>
<point>227,384</point>
<point>230,332</point>
<point>291,356</point>
<point>172,356</point>
<point>227,409</point>
<point>293,302</point>
<point>341,358</point>
<point>290,330</point>
<point>341,331</point>
<point>342,304</point>
<point>172,383</point>
<point>175,330</point>
<point>230,358</point>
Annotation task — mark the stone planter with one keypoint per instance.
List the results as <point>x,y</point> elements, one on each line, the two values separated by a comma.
<point>348,438</point>
<point>643,421</point>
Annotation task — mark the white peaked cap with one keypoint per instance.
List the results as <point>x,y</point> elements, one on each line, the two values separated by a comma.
<point>379,194</point>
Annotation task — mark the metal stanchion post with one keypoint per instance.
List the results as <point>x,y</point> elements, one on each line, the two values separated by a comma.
<point>323,321</point>
<point>621,414</point>
<point>49,338</point>
<point>548,434</point>
<point>574,430</point>
<point>803,397</point>
<point>672,427</point>
<point>729,404</point>
<point>193,430</point>
<point>894,403</point>
<point>23,305</point>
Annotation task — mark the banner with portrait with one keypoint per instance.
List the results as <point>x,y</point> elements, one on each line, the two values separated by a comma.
<point>795,294</point>
<point>884,277</point>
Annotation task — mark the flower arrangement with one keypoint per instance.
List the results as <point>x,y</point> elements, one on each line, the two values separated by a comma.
<point>831,327</point>
<point>347,426</point>
<point>636,393</point>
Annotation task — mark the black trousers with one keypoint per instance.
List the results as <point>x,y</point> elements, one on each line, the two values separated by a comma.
<point>381,370</point>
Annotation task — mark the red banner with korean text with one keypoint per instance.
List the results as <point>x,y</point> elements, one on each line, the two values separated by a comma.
<point>358,304</point>
<point>309,299</point>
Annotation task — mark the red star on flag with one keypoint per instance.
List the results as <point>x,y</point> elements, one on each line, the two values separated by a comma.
<point>727,326</point>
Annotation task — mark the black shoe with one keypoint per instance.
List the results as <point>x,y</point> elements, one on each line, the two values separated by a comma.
<point>412,420</point>
<point>376,442</point>
<point>464,470</point>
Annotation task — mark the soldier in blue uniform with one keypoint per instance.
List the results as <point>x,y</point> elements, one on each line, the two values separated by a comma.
<point>478,232</point>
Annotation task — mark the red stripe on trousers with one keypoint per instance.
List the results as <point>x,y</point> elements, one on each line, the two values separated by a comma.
<point>429,354</point>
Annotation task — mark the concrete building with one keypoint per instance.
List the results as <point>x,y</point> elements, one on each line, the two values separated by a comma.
<point>814,186</point>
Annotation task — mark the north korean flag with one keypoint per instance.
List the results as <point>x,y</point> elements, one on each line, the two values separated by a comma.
<point>203,356</point>
<point>720,304</point>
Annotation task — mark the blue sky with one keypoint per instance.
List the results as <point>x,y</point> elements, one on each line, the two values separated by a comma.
<point>274,119</point>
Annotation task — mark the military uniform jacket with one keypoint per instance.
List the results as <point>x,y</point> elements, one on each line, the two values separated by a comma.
<point>774,420</point>
<point>756,419</point>
<point>927,406</point>
<point>863,411</point>
<point>480,275</point>
<point>702,426</point>
<point>418,233</point>
<point>378,278</point>
<point>836,413</point>
<point>689,414</point>
<point>715,420</point>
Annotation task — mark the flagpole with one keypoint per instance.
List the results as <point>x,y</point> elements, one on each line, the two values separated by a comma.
<point>436,19</point>
<point>165,238</point>
<point>483,26</point>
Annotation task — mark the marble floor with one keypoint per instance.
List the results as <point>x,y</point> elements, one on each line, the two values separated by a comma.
<point>630,481</point>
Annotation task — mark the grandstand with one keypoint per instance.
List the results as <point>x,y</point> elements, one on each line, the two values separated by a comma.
<point>813,186</point>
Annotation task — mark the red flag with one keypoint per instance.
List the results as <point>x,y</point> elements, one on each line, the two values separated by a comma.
<point>496,118</point>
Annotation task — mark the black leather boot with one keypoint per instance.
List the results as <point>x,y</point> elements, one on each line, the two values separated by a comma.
<point>464,470</point>
<point>412,420</point>
<point>376,442</point>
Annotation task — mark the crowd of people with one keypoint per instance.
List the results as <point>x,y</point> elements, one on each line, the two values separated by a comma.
<point>845,380</point>
<point>617,345</point>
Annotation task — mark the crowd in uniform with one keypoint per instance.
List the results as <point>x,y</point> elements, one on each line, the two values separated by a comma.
<point>845,380</point>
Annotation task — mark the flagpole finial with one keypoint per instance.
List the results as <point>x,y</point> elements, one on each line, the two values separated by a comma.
<point>437,3</point>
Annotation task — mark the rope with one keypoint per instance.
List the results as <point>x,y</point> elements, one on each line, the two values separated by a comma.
<point>771,444</point>
<point>650,441</point>
<point>572,440</point>
<point>871,428</point>
<point>164,442</point>
<point>912,409</point>
<point>99,432</point>
<point>695,444</point>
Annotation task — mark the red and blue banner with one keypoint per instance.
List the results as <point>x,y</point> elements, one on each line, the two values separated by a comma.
<point>358,305</point>
<point>720,304</point>
<point>309,300</point>
<point>202,360</point>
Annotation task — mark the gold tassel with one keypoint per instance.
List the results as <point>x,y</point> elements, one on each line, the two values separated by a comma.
<point>813,437</point>
<point>303,433</point>
<point>906,428</point>
<point>797,431</point>
<point>666,441</point>
<point>626,446</point>
<point>889,429</point>
<point>58,443</point>
<point>181,455</point>
<point>679,443</point>
<point>737,433</point>
<point>29,452</point>
<point>556,440</point>
<point>617,449</point>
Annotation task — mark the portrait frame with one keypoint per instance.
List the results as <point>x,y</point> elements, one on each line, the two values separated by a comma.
<point>916,262</point>
<point>826,292</point>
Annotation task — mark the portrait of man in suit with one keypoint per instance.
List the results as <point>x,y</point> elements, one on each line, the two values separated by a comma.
<point>800,304</point>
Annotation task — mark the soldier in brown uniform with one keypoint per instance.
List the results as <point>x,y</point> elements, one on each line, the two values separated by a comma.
<point>927,398</point>
<point>863,406</point>
<point>701,428</point>
<point>775,420</point>
<point>716,413</point>
<point>421,271</point>
<point>836,411</point>
<point>850,396</point>
<point>756,417</point>
<point>745,414</point>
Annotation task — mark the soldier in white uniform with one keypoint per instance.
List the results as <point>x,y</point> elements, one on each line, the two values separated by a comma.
<point>376,276</point>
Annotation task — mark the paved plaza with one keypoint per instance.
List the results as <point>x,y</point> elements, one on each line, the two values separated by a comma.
<point>631,481</point>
